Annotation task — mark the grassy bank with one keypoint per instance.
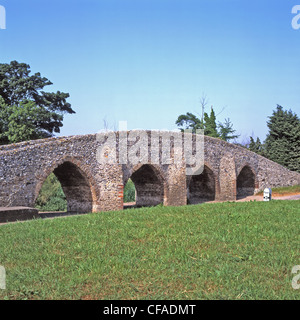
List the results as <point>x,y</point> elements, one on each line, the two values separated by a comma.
<point>284,191</point>
<point>211,251</point>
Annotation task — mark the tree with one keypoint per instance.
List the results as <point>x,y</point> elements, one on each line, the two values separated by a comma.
<point>25,121</point>
<point>51,196</point>
<point>203,103</point>
<point>226,130</point>
<point>189,121</point>
<point>256,146</point>
<point>26,108</point>
<point>282,144</point>
<point>210,125</point>
<point>129,191</point>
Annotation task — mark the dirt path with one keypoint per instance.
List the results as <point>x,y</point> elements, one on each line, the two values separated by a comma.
<point>292,197</point>
<point>260,198</point>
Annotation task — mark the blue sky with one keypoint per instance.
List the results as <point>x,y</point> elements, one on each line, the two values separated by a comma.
<point>148,61</point>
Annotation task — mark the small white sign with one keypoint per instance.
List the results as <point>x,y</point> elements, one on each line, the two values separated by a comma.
<point>267,194</point>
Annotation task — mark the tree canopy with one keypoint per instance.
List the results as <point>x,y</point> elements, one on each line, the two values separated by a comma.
<point>256,146</point>
<point>210,125</point>
<point>189,121</point>
<point>282,144</point>
<point>26,111</point>
<point>224,131</point>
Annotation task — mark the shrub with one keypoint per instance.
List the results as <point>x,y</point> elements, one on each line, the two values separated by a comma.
<point>51,197</point>
<point>129,191</point>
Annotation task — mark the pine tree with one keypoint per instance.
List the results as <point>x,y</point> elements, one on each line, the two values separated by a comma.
<point>256,146</point>
<point>210,125</point>
<point>226,130</point>
<point>283,140</point>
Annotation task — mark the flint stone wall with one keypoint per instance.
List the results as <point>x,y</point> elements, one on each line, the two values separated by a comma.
<point>93,186</point>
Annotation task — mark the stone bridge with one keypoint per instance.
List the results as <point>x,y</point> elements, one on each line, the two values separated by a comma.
<point>230,172</point>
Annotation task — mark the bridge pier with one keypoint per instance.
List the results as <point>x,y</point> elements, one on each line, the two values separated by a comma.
<point>89,185</point>
<point>227,179</point>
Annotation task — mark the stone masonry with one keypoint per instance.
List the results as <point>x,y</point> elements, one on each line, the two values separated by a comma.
<point>230,172</point>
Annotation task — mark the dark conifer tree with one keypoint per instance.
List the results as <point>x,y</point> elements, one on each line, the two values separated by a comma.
<point>282,144</point>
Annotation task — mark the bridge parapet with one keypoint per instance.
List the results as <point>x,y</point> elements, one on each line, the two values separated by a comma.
<point>91,185</point>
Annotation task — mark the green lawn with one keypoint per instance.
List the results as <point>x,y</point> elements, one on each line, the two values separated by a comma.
<point>283,191</point>
<point>210,251</point>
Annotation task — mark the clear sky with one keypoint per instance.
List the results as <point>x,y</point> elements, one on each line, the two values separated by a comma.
<point>147,61</point>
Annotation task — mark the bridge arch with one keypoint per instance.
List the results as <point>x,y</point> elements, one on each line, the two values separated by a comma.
<point>150,185</point>
<point>245,182</point>
<point>25,166</point>
<point>76,184</point>
<point>203,187</point>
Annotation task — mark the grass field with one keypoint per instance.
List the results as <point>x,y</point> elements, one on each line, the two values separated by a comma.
<point>284,191</point>
<point>210,251</point>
